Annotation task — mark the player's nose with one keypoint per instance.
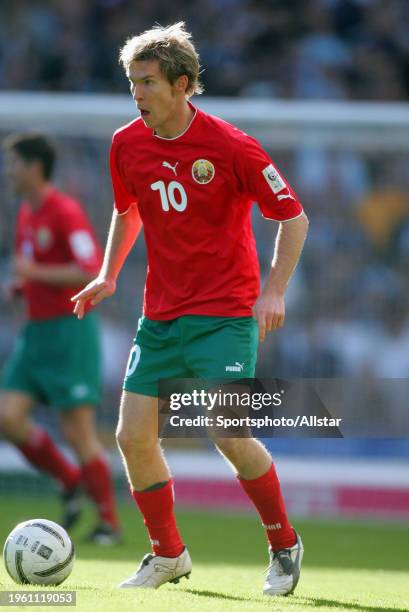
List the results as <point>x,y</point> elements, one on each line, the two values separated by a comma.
<point>137,93</point>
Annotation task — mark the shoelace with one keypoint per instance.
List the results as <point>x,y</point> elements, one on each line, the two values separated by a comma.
<point>276,562</point>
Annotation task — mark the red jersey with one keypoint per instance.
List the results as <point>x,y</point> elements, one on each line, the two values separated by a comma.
<point>194,194</point>
<point>58,232</point>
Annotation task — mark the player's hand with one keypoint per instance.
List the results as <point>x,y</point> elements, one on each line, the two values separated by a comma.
<point>269,312</point>
<point>12,289</point>
<point>96,291</point>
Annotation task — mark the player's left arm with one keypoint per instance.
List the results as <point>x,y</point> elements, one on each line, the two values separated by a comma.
<point>269,310</point>
<point>277,201</point>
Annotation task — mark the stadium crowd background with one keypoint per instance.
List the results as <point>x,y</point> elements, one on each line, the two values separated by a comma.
<point>332,49</point>
<point>346,304</point>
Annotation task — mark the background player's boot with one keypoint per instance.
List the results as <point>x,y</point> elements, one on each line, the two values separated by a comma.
<point>104,534</point>
<point>73,503</point>
<point>284,570</point>
<point>155,571</point>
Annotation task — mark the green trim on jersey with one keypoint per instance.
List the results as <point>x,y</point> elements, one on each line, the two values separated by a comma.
<point>57,361</point>
<point>191,346</point>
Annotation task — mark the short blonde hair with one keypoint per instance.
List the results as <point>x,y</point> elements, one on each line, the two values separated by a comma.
<point>172,47</point>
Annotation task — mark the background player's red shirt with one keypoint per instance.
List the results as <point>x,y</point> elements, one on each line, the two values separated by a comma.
<point>58,232</point>
<point>194,195</point>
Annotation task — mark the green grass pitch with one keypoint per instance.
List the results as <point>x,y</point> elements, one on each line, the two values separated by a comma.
<point>347,565</point>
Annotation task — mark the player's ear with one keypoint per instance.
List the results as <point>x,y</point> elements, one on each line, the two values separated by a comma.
<point>181,84</point>
<point>37,167</point>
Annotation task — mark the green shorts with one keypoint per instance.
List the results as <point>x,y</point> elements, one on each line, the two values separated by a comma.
<point>57,361</point>
<point>191,347</point>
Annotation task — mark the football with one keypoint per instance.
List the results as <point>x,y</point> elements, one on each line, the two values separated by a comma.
<point>38,551</point>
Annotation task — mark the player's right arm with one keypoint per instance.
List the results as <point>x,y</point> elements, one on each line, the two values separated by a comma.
<point>123,231</point>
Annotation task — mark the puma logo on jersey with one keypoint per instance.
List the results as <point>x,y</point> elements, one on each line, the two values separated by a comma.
<point>237,367</point>
<point>166,164</point>
<point>285,197</point>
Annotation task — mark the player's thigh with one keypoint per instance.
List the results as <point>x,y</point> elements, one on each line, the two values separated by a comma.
<point>221,347</point>
<point>14,409</point>
<point>157,353</point>
<point>138,421</point>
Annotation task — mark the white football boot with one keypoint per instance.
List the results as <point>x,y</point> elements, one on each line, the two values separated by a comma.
<point>283,572</point>
<point>155,571</point>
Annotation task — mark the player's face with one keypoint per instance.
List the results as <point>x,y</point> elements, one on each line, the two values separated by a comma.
<point>19,172</point>
<point>157,100</point>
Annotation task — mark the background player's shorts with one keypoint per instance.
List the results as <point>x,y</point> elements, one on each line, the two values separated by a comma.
<point>191,347</point>
<point>57,361</point>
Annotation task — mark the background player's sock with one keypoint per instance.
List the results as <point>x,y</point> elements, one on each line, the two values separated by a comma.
<point>40,451</point>
<point>265,493</point>
<point>157,510</point>
<point>96,476</point>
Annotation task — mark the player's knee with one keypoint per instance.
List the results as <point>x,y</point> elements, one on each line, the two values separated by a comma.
<point>131,443</point>
<point>230,447</point>
<point>68,433</point>
<point>75,438</point>
<point>10,422</point>
<point>79,430</point>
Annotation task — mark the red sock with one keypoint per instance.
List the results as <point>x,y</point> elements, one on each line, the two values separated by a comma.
<point>157,510</point>
<point>41,452</point>
<point>96,476</point>
<point>265,493</point>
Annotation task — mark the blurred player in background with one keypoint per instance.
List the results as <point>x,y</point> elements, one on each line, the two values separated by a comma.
<point>191,178</point>
<point>56,360</point>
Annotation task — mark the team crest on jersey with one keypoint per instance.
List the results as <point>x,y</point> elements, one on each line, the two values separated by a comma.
<point>43,238</point>
<point>203,171</point>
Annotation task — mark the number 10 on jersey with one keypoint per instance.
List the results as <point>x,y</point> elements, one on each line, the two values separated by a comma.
<point>174,194</point>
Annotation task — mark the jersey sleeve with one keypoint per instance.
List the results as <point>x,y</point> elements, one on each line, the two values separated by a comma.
<point>82,245</point>
<point>263,183</point>
<point>123,199</point>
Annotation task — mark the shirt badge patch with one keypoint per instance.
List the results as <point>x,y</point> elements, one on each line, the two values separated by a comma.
<point>203,171</point>
<point>273,178</point>
<point>43,238</point>
<point>26,249</point>
<point>81,244</point>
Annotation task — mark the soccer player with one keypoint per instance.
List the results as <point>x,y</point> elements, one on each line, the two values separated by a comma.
<point>190,179</point>
<point>56,360</point>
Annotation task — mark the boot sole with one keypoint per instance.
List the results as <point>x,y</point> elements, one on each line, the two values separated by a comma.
<point>176,580</point>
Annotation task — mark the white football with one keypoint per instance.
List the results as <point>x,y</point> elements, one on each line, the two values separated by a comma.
<point>38,551</point>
